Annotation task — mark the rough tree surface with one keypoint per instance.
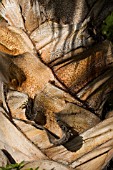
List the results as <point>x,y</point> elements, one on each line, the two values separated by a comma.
<point>57,71</point>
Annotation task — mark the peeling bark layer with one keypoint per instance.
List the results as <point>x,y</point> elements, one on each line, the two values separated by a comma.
<point>68,78</point>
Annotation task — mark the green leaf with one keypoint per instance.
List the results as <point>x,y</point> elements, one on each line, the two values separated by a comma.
<point>2,168</point>
<point>107,27</point>
<point>109,20</point>
<point>21,164</point>
<point>16,166</point>
<point>37,168</point>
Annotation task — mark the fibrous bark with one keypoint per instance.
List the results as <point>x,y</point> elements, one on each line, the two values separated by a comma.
<point>68,69</point>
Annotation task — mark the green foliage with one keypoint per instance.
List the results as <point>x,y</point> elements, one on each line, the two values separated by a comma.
<point>107,27</point>
<point>16,166</point>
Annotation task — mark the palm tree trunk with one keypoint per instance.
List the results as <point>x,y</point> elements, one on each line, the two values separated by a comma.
<point>68,68</point>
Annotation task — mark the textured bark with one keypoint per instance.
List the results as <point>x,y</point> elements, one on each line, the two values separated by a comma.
<point>68,73</point>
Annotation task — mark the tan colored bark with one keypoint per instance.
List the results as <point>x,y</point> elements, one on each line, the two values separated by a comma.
<point>52,82</point>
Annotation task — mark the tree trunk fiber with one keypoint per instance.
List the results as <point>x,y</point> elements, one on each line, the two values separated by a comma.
<point>64,72</point>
